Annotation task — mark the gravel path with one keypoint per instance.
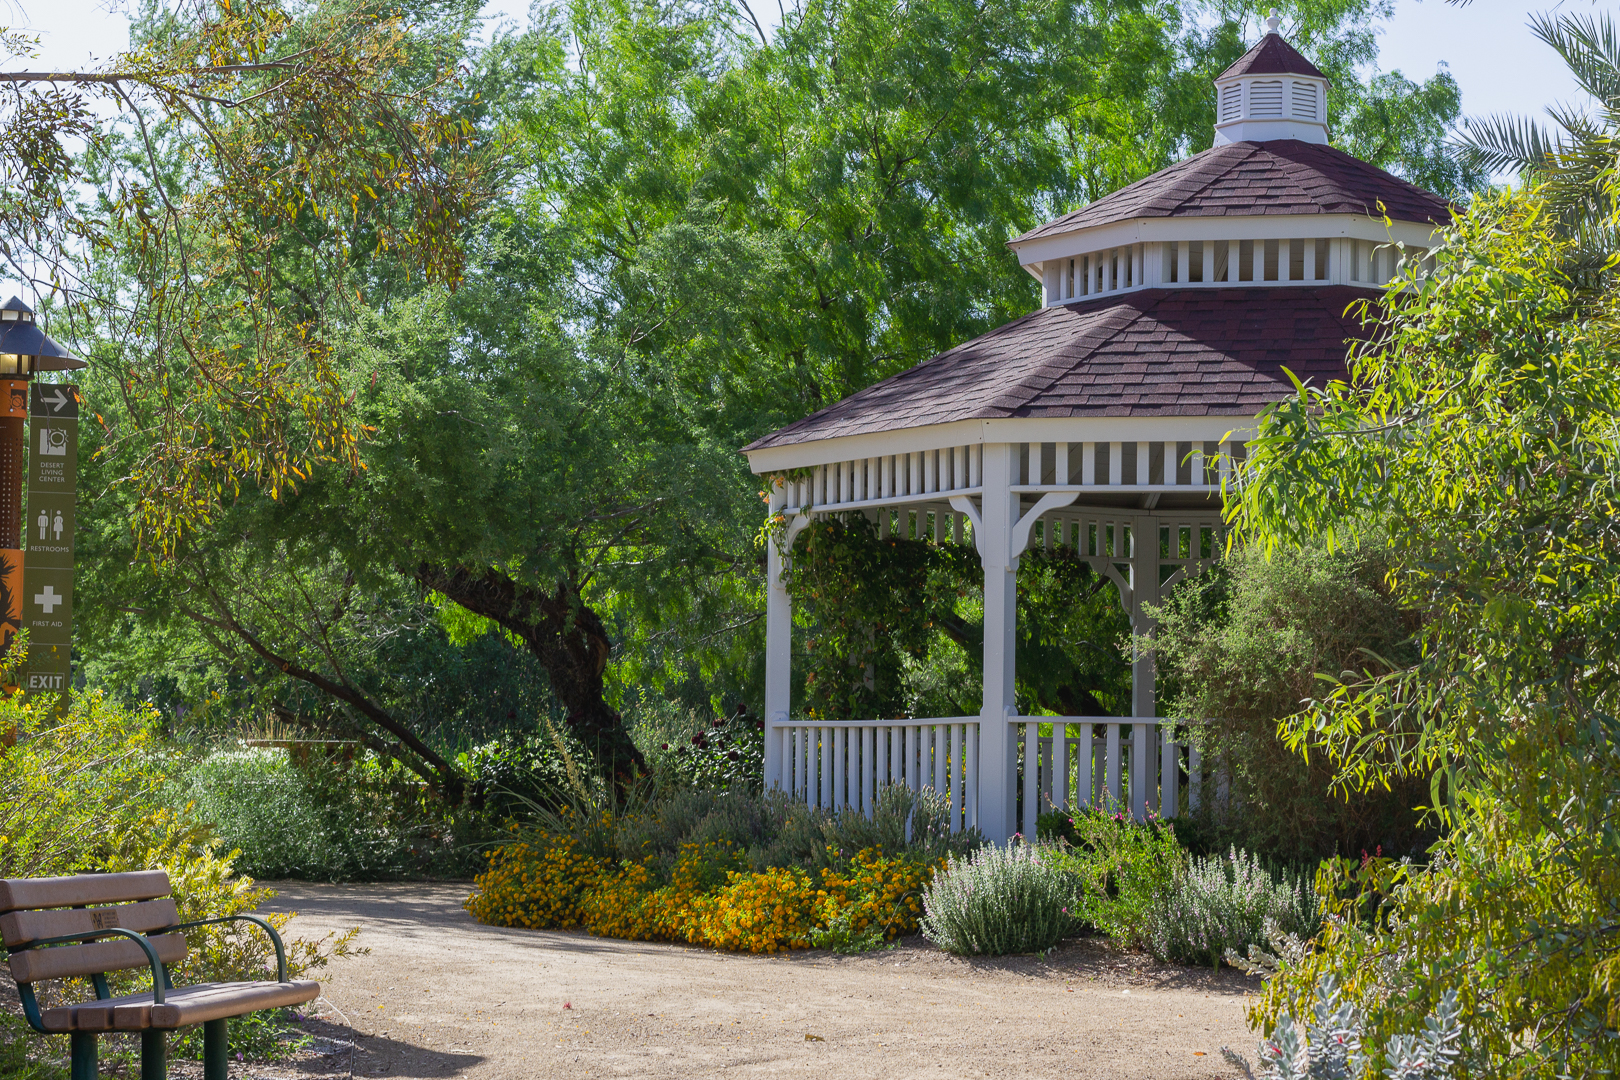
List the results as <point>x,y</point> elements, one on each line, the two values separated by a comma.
<point>441,995</point>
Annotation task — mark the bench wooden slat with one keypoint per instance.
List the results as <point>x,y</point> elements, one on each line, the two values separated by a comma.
<point>237,999</point>
<point>21,927</point>
<point>82,889</point>
<point>70,961</point>
<point>184,1007</point>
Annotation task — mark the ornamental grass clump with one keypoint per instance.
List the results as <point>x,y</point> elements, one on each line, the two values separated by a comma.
<point>1226,903</point>
<point>1001,900</point>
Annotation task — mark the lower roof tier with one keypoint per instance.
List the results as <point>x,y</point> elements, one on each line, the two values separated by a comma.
<point>1153,353</point>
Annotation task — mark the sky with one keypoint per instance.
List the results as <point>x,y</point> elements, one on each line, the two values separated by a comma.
<point>1486,44</point>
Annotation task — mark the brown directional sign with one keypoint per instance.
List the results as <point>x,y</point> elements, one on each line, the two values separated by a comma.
<point>53,459</point>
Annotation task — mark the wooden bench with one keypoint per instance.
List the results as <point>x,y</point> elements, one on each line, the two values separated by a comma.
<point>52,929</point>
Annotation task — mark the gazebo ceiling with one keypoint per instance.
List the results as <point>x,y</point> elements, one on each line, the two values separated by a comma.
<point>1155,352</point>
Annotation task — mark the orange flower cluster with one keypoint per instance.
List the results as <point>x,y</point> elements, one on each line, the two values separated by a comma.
<point>710,900</point>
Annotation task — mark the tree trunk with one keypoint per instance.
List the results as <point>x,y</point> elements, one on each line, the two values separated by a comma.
<point>568,639</point>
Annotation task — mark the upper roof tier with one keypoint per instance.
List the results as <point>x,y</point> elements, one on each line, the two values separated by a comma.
<point>1249,179</point>
<point>1271,56</point>
<point>1159,352</point>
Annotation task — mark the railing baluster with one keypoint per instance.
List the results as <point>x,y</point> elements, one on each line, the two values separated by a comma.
<point>957,778</point>
<point>1060,759</point>
<point>1085,776</point>
<point>1032,777</point>
<point>1169,775</point>
<point>1139,772</point>
<point>1113,764</point>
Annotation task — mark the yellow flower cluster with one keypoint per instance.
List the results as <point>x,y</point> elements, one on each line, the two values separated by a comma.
<point>710,900</point>
<point>534,889</point>
<point>878,891</point>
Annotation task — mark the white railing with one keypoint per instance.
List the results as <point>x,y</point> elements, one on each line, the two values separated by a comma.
<point>1104,761</point>
<point>1097,761</point>
<point>844,764</point>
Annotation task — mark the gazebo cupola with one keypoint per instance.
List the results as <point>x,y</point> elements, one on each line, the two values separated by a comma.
<point>1272,93</point>
<point>1172,312</point>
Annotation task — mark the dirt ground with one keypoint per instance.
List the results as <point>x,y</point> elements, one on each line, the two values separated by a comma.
<point>440,995</point>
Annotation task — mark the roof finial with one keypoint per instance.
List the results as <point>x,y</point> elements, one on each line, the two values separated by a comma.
<point>1273,21</point>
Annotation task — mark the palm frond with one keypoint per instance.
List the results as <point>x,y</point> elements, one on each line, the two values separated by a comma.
<point>1502,143</point>
<point>1590,46</point>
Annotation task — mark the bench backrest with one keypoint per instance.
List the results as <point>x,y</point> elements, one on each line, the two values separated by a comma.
<point>35,909</point>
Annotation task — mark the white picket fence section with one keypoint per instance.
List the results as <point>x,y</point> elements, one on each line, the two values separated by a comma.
<point>1084,761</point>
<point>845,763</point>
<point>1114,761</point>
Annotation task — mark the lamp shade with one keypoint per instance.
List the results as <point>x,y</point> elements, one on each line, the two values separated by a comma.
<point>24,347</point>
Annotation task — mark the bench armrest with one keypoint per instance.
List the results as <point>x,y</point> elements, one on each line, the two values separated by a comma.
<point>26,990</point>
<point>275,938</point>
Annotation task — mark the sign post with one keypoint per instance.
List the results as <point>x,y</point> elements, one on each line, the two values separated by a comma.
<point>53,459</point>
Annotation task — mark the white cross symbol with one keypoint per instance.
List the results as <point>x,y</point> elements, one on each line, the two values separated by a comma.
<point>48,599</point>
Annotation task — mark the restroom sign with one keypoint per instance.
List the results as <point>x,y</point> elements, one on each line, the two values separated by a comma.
<point>53,459</point>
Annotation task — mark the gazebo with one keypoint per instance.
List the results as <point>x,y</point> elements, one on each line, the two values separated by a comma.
<point>1106,421</point>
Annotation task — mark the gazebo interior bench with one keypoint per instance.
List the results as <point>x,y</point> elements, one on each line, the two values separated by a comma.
<point>55,928</point>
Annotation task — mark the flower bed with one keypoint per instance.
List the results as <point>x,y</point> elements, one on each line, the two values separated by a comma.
<point>710,898</point>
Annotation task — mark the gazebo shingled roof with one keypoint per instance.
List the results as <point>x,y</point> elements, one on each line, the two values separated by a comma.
<point>1158,352</point>
<point>1248,179</point>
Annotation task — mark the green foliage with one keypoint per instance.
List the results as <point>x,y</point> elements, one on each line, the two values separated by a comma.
<point>317,818</point>
<point>687,748</point>
<point>1248,643</point>
<point>1217,904</point>
<point>872,602</point>
<point>841,936</point>
<point>70,789</point>
<point>1480,436</point>
<point>1001,900</point>
<point>895,626</point>
<point>1123,869</point>
<point>762,832</point>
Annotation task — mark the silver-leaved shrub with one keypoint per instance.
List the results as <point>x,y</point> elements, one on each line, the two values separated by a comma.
<point>1001,900</point>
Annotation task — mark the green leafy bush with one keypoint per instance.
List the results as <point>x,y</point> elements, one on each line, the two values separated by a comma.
<point>1248,642</point>
<point>1217,903</point>
<point>1122,869</point>
<point>688,748</point>
<point>1000,900</point>
<point>319,818</point>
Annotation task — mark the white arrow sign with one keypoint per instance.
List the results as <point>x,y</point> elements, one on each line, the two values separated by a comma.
<point>54,397</point>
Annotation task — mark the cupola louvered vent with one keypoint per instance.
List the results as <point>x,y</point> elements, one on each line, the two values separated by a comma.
<point>1231,102</point>
<point>1303,100</point>
<point>1266,100</point>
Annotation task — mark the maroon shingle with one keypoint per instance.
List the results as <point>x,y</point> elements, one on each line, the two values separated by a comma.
<point>1279,176</point>
<point>1158,352</point>
<point>1272,56</point>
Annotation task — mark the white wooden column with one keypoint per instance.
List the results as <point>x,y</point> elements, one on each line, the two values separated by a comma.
<point>778,653</point>
<point>997,756</point>
<point>1144,590</point>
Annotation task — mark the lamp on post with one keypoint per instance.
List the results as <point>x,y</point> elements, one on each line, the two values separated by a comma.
<point>24,350</point>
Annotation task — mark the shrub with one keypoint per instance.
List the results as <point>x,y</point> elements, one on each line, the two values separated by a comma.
<point>1249,641</point>
<point>1219,903</point>
<point>317,818</point>
<point>1328,1046</point>
<point>1012,899</point>
<point>1122,868</point>
<point>694,750</point>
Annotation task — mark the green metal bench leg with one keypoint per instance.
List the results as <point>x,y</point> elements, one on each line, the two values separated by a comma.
<point>154,1055</point>
<point>215,1058</point>
<point>83,1061</point>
